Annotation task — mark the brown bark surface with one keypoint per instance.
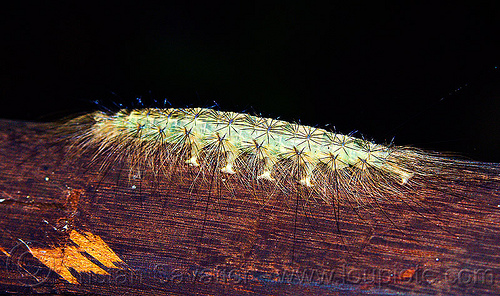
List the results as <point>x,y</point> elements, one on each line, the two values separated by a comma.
<point>67,227</point>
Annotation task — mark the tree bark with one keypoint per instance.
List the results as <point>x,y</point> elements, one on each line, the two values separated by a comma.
<point>68,226</point>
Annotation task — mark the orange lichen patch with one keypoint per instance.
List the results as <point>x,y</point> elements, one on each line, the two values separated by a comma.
<point>72,199</point>
<point>61,259</point>
<point>5,252</point>
<point>407,274</point>
<point>95,247</point>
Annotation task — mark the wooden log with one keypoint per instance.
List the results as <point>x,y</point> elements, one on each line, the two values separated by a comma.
<point>67,227</point>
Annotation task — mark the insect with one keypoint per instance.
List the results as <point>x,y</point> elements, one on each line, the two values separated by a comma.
<point>284,157</point>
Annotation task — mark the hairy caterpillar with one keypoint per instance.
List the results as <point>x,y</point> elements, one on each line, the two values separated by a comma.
<point>322,165</point>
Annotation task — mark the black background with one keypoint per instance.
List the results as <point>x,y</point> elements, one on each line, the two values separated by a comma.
<point>423,73</point>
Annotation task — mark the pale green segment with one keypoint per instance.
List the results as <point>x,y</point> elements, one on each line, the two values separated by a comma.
<point>283,141</point>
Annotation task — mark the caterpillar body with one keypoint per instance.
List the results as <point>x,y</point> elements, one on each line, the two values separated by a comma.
<point>331,167</point>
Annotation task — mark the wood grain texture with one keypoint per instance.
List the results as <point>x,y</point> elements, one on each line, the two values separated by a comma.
<point>175,238</point>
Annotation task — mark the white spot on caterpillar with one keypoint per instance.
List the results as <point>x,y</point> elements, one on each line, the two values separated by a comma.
<point>266,176</point>
<point>228,169</point>
<point>193,161</point>
<point>306,181</point>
